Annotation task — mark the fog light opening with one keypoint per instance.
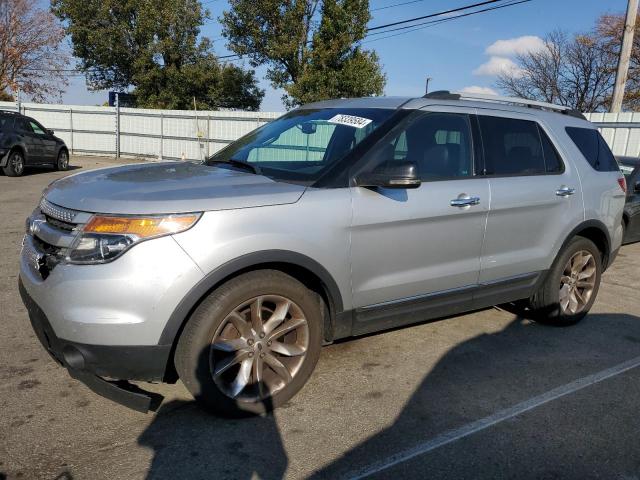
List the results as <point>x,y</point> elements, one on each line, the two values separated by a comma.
<point>73,357</point>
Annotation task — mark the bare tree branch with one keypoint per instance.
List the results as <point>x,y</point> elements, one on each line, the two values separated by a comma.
<point>32,59</point>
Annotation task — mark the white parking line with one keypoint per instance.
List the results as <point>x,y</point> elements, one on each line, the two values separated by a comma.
<point>498,417</point>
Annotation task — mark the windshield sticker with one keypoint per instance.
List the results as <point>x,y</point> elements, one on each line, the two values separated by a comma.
<point>350,121</point>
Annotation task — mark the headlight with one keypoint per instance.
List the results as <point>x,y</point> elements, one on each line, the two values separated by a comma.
<point>105,238</point>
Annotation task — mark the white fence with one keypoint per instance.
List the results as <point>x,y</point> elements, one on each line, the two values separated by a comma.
<point>135,132</point>
<point>620,130</point>
<point>174,134</point>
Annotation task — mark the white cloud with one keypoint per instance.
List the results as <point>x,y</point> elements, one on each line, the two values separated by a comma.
<point>477,89</point>
<point>496,66</point>
<point>515,46</point>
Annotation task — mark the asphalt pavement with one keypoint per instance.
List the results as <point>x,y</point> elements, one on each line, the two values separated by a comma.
<point>483,395</point>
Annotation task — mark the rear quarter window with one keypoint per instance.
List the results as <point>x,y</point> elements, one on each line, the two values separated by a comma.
<point>593,148</point>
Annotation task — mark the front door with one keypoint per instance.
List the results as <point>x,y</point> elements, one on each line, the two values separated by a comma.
<point>416,245</point>
<point>47,142</point>
<point>32,142</point>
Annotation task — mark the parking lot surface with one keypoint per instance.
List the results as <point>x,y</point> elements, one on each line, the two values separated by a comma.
<point>483,395</point>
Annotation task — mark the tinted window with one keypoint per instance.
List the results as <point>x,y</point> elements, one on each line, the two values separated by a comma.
<point>511,146</point>
<point>36,128</point>
<point>6,122</point>
<point>594,148</point>
<point>438,143</point>
<point>552,161</point>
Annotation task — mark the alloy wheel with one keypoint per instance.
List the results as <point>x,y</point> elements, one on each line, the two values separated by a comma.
<point>63,161</point>
<point>17,163</point>
<point>259,347</point>
<point>577,282</point>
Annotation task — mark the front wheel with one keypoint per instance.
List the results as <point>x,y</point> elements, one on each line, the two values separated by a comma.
<point>251,344</point>
<point>62,163</point>
<point>571,285</point>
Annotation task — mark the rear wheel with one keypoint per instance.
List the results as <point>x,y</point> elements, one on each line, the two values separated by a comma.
<point>571,285</point>
<point>251,344</point>
<point>63,161</point>
<point>15,164</point>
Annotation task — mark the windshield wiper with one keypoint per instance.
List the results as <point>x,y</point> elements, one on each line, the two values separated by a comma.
<point>237,163</point>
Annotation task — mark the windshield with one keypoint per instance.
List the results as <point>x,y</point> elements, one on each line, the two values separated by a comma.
<point>300,146</point>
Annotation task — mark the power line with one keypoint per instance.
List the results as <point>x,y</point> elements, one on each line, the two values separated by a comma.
<point>431,15</point>
<point>419,26</point>
<point>395,5</point>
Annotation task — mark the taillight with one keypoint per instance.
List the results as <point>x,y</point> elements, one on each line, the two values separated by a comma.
<point>623,184</point>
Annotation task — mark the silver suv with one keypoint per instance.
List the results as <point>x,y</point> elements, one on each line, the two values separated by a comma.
<point>338,219</point>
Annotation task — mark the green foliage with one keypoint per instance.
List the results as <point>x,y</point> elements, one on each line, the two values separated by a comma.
<point>311,60</point>
<point>155,47</point>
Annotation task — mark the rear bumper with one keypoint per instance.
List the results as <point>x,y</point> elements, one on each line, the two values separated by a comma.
<point>89,363</point>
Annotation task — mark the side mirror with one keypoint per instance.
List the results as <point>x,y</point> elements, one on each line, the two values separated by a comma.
<point>50,132</point>
<point>392,174</point>
<point>308,128</point>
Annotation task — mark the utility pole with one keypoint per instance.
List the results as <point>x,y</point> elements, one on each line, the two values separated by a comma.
<point>426,88</point>
<point>625,55</point>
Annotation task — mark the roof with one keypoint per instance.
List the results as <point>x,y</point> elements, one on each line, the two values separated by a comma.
<point>481,102</point>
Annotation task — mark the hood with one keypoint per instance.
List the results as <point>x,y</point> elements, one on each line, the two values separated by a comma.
<point>172,187</point>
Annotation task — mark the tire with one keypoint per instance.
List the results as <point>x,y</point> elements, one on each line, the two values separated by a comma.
<point>564,298</point>
<point>62,163</point>
<point>201,366</point>
<point>15,164</point>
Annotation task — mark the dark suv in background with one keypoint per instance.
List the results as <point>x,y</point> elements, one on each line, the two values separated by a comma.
<point>24,142</point>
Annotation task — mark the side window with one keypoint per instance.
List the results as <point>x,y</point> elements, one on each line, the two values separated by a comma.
<point>511,146</point>
<point>23,125</point>
<point>438,143</point>
<point>593,148</point>
<point>552,161</point>
<point>36,128</point>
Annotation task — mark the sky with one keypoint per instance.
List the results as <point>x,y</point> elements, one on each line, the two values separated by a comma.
<point>464,53</point>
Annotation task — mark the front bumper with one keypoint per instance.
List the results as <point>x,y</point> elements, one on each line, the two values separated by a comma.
<point>89,363</point>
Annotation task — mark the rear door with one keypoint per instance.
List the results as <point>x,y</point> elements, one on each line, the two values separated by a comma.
<point>535,197</point>
<point>412,248</point>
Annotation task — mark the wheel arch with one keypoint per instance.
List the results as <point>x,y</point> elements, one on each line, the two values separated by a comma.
<point>306,270</point>
<point>597,232</point>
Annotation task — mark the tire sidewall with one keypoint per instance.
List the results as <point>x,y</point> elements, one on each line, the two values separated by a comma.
<point>192,353</point>
<point>552,284</point>
<point>59,165</point>
<point>10,170</point>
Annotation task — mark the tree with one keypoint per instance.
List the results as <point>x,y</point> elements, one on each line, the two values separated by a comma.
<point>155,48</point>
<point>32,59</point>
<point>310,60</point>
<point>573,72</point>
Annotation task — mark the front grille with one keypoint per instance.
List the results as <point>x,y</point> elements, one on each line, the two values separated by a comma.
<point>59,213</point>
<point>54,222</point>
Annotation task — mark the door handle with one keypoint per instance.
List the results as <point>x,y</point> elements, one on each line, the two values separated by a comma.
<point>565,191</point>
<point>464,200</point>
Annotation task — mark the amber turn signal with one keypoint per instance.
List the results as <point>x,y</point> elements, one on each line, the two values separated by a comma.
<point>142,227</point>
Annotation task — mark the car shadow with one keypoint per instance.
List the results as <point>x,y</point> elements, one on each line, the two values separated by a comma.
<point>31,170</point>
<point>474,379</point>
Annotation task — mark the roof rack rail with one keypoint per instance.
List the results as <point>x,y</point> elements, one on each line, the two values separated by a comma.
<point>446,95</point>
<point>9,111</point>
